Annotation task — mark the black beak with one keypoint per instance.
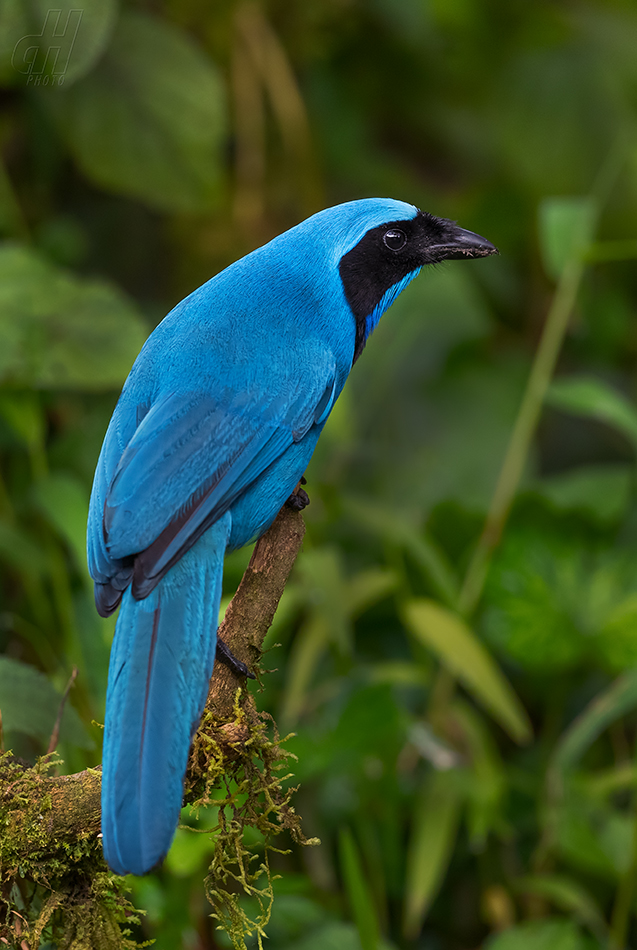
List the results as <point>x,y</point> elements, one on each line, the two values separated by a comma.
<point>460,245</point>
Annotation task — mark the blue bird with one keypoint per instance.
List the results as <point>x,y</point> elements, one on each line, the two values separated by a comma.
<point>214,428</point>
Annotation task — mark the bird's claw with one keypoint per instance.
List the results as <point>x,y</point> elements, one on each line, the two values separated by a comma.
<point>298,500</point>
<point>225,654</point>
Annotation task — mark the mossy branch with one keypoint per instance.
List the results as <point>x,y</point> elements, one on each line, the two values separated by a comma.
<point>50,825</point>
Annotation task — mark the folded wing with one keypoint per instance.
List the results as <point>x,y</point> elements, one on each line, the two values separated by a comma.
<point>191,457</point>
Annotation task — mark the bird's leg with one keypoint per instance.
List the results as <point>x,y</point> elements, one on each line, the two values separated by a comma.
<point>299,499</point>
<point>225,654</point>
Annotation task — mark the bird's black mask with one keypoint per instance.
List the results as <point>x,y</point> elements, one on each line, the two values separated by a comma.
<point>388,253</point>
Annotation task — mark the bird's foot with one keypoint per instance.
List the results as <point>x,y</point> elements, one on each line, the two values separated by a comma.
<point>238,667</point>
<point>299,499</point>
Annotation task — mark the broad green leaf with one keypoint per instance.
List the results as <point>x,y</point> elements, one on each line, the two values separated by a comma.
<point>588,396</point>
<point>149,121</point>
<point>30,704</point>
<point>55,47</point>
<point>459,649</point>
<point>602,491</point>
<point>567,895</point>
<point>553,603</point>
<point>551,934</point>
<point>359,895</point>
<point>566,231</point>
<point>64,501</point>
<point>613,702</point>
<point>432,838</point>
<point>59,331</point>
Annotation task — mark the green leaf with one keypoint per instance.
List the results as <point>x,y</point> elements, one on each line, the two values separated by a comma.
<point>608,706</point>
<point>588,396</point>
<point>332,936</point>
<point>59,331</point>
<point>555,115</point>
<point>486,788</point>
<point>433,834</point>
<point>459,649</point>
<point>602,491</point>
<point>149,121</point>
<point>55,47</point>
<point>64,501</point>
<point>358,892</point>
<point>602,251</point>
<point>549,934</point>
<point>309,645</point>
<point>395,527</point>
<point>368,587</point>
<point>566,230</point>
<point>30,704</point>
<point>537,594</point>
<point>567,895</point>
<point>590,838</point>
<point>21,552</point>
<point>23,413</point>
<point>15,23</point>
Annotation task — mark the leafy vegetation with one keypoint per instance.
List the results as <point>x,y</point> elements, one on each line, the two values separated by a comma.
<point>457,649</point>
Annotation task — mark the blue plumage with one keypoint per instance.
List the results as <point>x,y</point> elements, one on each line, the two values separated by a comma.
<point>215,425</point>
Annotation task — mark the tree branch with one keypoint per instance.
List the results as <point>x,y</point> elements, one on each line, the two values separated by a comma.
<point>46,815</point>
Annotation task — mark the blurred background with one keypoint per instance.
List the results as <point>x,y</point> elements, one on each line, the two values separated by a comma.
<point>465,747</point>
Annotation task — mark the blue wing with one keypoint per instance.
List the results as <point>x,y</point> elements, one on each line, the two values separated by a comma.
<point>192,455</point>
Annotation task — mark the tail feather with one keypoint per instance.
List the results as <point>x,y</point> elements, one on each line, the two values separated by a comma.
<point>161,662</point>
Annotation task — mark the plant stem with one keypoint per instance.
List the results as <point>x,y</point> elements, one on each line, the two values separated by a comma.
<point>623,901</point>
<point>519,444</point>
<point>620,919</point>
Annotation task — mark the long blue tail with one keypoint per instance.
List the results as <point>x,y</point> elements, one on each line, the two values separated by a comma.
<point>161,663</point>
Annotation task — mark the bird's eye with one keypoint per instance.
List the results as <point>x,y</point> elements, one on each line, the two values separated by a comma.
<point>395,239</point>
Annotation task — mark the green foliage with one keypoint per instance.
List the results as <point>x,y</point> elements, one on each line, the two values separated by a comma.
<point>458,648</point>
<point>465,752</point>
<point>30,705</point>
<point>149,119</point>
<point>566,231</point>
<point>252,807</point>
<point>55,890</point>
<point>540,935</point>
<point>435,825</point>
<point>358,893</point>
<point>59,331</point>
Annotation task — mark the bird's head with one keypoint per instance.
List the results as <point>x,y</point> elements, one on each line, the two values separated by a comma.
<point>389,254</point>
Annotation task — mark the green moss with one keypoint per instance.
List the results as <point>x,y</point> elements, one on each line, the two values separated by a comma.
<point>249,772</point>
<point>60,891</point>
